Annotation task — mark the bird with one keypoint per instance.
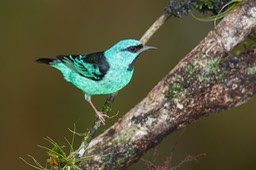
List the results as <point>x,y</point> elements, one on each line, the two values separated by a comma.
<point>100,73</point>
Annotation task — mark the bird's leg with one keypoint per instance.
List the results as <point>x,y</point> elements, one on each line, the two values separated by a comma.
<point>98,113</point>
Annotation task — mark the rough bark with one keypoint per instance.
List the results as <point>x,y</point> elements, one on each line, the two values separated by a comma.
<point>207,80</point>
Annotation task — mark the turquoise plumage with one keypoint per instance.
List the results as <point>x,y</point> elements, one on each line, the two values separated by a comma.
<point>99,73</point>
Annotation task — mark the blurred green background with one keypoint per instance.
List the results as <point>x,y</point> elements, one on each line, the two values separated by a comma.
<point>37,102</point>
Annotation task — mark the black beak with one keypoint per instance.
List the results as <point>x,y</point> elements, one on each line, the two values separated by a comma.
<point>145,48</point>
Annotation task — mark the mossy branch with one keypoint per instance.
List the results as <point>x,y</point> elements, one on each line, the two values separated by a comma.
<point>206,80</point>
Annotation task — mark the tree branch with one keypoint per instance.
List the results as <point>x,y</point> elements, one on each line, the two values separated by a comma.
<point>205,81</point>
<point>154,27</point>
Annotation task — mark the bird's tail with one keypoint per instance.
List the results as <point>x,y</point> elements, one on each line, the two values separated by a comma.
<point>48,61</point>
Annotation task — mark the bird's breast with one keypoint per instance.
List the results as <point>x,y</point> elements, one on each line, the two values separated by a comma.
<point>116,79</point>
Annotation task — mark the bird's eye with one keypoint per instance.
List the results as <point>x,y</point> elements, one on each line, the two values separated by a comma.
<point>132,49</point>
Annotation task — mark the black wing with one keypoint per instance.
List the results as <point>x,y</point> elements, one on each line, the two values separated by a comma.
<point>93,66</point>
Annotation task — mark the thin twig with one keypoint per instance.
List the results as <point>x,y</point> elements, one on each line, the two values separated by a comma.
<point>154,27</point>
<point>96,125</point>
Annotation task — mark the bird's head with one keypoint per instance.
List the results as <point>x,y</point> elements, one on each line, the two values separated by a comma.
<point>125,52</point>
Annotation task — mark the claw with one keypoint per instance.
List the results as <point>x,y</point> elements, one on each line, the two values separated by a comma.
<point>101,117</point>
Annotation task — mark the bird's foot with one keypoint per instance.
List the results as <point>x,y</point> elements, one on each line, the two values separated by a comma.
<point>101,117</point>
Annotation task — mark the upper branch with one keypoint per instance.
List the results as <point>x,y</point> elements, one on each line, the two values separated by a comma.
<point>205,81</point>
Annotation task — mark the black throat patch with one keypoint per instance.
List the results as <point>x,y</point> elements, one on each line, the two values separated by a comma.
<point>131,66</point>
